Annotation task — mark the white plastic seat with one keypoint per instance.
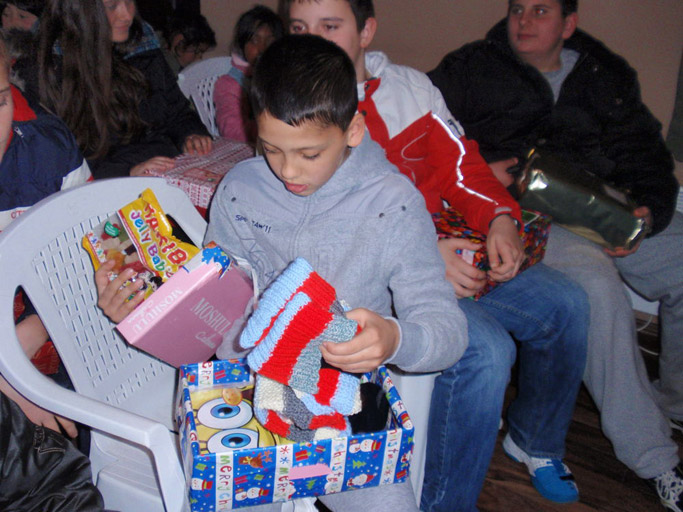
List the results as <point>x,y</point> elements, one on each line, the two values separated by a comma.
<point>125,395</point>
<point>415,391</point>
<point>197,82</point>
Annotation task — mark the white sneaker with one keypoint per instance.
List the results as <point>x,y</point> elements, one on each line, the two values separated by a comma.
<point>669,487</point>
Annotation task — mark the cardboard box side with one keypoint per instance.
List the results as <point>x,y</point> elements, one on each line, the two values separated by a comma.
<point>235,479</point>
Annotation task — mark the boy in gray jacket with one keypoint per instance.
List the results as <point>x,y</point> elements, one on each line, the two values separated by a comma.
<point>326,193</point>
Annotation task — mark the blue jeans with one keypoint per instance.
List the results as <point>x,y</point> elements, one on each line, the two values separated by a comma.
<point>548,315</point>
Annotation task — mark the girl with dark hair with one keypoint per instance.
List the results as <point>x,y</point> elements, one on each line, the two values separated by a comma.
<point>255,30</point>
<point>102,71</point>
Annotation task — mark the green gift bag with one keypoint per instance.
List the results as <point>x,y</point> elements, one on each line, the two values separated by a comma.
<point>579,201</point>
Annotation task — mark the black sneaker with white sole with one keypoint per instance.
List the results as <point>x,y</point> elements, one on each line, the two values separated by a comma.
<point>669,488</point>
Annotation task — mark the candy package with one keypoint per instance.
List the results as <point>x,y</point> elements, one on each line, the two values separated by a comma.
<point>139,236</point>
<point>450,223</point>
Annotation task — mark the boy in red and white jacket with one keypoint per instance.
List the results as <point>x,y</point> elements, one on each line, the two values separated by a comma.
<point>546,313</point>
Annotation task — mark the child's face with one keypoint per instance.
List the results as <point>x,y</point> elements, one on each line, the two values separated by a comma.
<point>6,109</point>
<point>259,42</point>
<point>186,55</point>
<point>13,17</point>
<point>537,30</point>
<point>333,20</point>
<point>305,157</point>
<point>120,14</point>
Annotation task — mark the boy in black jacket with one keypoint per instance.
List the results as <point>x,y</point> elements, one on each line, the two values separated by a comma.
<point>537,81</point>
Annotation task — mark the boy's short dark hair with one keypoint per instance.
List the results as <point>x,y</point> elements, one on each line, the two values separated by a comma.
<point>362,10</point>
<point>304,78</point>
<point>568,6</point>
<point>253,19</point>
<point>194,28</point>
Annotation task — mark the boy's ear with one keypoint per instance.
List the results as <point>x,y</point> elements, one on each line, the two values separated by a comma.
<point>176,40</point>
<point>356,130</point>
<point>570,23</point>
<point>368,32</point>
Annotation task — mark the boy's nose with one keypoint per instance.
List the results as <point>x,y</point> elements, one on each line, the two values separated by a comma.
<point>288,172</point>
<point>525,18</point>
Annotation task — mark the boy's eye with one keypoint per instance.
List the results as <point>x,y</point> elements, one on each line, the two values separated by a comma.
<point>540,11</point>
<point>296,28</point>
<point>311,157</point>
<point>329,27</point>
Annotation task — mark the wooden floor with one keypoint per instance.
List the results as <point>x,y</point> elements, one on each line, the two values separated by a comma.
<point>605,484</point>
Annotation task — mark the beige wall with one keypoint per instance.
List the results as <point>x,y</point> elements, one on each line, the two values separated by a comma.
<point>649,34</point>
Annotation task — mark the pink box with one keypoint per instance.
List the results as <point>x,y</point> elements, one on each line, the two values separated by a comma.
<point>184,321</point>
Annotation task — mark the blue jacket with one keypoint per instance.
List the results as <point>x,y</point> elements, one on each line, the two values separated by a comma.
<point>42,158</point>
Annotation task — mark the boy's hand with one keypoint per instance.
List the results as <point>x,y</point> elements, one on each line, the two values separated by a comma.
<point>112,297</point>
<point>500,171</point>
<point>37,415</point>
<point>505,249</point>
<point>158,163</point>
<point>642,212</point>
<point>197,144</point>
<point>377,341</point>
<point>467,280</point>
<point>47,419</point>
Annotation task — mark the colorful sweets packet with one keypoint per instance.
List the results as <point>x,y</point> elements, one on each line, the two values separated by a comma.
<point>139,236</point>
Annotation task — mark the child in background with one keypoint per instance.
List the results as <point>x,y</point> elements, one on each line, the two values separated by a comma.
<point>187,37</point>
<point>546,313</point>
<point>115,91</point>
<point>20,23</point>
<point>39,157</point>
<point>255,30</point>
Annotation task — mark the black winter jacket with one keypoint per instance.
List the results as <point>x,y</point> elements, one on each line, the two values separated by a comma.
<point>599,121</point>
<point>167,112</point>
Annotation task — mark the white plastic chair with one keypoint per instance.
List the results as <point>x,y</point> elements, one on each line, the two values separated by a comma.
<point>416,393</point>
<point>197,82</point>
<point>125,395</point>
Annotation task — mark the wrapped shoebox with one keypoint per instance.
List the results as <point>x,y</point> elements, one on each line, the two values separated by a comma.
<point>185,319</point>
<point>254,472</point>
<point>450,223</point>
<point>580,201</point>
